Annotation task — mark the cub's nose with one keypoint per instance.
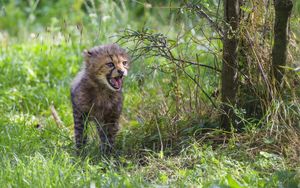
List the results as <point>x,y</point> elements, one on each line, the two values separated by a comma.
<point>121,72</point>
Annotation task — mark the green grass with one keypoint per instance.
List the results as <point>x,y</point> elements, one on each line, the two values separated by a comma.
<point>45,157</point>
<point>36,68</point>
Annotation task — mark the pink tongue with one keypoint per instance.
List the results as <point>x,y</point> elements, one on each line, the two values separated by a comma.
<point>118,82</point>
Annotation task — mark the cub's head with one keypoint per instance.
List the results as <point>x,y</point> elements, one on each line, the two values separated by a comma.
<point>107,64</point>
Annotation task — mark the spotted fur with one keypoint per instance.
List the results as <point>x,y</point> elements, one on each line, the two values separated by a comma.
<point>96,94</point>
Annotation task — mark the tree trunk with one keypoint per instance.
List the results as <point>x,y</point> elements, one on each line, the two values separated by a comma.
<point>283,9</point>
<point>229,69</point>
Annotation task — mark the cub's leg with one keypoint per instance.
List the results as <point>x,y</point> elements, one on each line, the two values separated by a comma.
<point>79,129</point>
<point>107,133</point>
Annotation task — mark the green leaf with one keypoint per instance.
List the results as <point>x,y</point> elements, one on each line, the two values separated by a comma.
<point>233,183</point>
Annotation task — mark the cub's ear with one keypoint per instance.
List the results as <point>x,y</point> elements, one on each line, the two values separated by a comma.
<point>87,54</point>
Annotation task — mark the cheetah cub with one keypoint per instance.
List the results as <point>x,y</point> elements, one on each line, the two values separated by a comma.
<point>96,94</point>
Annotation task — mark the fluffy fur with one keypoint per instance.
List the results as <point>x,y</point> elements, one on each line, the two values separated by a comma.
<point>96,93</point>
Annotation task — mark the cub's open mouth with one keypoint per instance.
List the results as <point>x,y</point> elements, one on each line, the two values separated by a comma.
<point>115,82</point>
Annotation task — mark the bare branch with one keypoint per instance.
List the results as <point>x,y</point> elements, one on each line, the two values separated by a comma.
<point>201,13</point>
<point>55,116</point>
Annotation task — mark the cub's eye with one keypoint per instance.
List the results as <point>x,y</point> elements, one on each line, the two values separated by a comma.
<point>124,63</point>
<point>110,64</point>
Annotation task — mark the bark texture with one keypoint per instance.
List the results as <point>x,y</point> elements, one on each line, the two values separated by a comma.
<point>230,53</point>
<point>283,9</point>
